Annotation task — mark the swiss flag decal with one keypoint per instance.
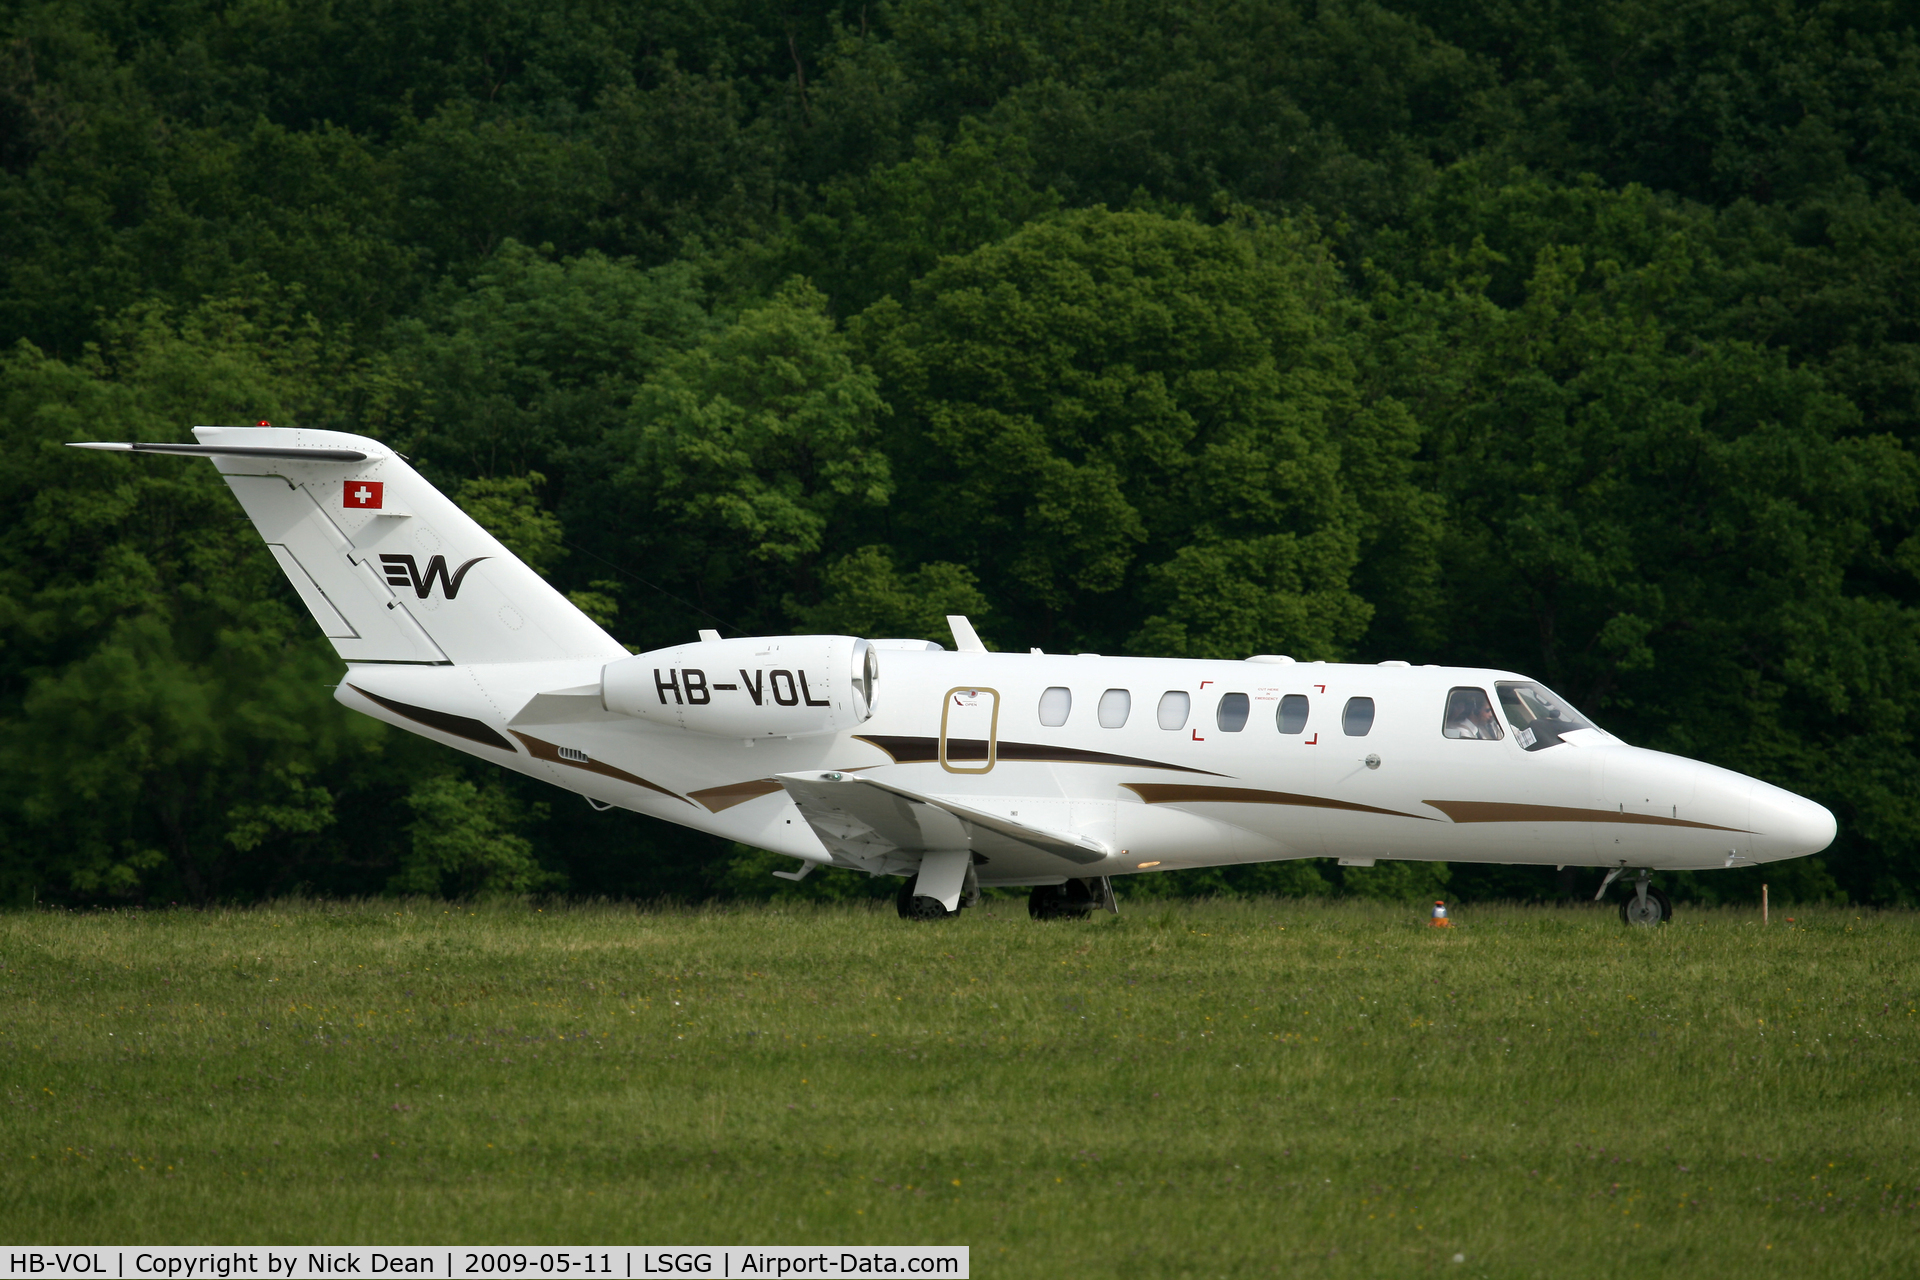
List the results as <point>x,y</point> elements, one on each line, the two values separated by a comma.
<point>363,495</point>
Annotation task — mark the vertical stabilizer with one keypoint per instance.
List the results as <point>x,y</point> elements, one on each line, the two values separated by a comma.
<point>390,568</point>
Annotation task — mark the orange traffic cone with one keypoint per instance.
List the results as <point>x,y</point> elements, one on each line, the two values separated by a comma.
<point>1440,920</point>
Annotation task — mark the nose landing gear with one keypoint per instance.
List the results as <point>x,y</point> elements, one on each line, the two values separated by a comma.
<point>1652,908</point>
<point>1645,905</point>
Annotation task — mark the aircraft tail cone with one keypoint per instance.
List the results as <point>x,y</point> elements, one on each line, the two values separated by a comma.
<point>1440,920</point>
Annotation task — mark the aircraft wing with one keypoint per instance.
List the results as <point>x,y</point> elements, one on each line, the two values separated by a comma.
<point>869,821</point>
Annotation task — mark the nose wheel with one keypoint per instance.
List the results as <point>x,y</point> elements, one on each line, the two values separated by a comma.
<point>1646,904</point>
<point>1655,908</point>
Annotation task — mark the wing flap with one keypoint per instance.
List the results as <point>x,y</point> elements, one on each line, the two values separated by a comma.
<point>867,819</point>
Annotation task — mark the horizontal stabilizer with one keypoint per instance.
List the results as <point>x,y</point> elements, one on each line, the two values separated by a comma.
<point>579,705</point>
<point>866,820</point>
<point>227,450</point>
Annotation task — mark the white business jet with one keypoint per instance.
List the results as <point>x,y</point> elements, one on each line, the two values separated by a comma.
<point>957,770</point>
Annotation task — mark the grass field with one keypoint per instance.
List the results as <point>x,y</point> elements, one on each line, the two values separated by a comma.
<point>1208,1089</point>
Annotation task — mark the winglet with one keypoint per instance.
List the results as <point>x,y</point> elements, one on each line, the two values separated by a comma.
<point>965,640</point>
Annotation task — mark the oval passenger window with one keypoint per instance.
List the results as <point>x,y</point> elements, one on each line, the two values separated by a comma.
<point>1293,713</point>
<point>1114,706</point>
<point>1174,706</point>
<point>1056,704</point>
<point>1232,716</point>
<point>1357,719</point>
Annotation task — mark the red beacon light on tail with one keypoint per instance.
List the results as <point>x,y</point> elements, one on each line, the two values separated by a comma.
<point>1440,920</point>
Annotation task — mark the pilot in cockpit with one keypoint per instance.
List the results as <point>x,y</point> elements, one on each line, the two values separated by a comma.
<point>1470,715</point>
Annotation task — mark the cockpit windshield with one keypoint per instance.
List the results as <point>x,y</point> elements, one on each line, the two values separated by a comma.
<point>1539,716</point>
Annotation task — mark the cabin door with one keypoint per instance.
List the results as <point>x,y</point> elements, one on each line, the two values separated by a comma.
<point>969,730</point>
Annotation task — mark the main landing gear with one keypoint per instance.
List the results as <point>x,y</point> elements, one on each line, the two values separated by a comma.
<point>1645,905</point>
<point>1074,900</point>
<point>913,905</point>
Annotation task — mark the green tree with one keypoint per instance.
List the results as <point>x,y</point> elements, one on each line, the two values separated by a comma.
<point>1110,410</point>
<point>473,180</point>
<point>509,508</point>
<point>865,594</point>
<point>467,841</point>
<point>1292,878</point>
<point>167,706</point>
<point>1600,361</point>
<point>877,232</point>
<point>1405,882</point>
<point>749,873</point>
<point>133,207</point>
<point>746,452</point>
<point>532,362</point>
<point>1685,533</point>
<point>692,156</point>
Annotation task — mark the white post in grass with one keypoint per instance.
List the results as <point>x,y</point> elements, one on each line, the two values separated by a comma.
<point>1763,904</point>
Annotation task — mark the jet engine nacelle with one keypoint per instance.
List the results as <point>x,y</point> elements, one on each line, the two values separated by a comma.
<point>753,687</point>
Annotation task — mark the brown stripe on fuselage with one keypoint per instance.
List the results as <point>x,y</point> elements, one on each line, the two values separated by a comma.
<point>718,798</point>
<point>1502,811</point>
<point>541,750</point>
<point>927,750</point>
<point>1184,793</point>
<point>445,721</point>
<point>907,750</point>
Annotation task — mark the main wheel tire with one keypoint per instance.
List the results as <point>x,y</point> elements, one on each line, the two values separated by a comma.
<point>1658,908</point>
<point>1069,901</point>
<point>913,907</point>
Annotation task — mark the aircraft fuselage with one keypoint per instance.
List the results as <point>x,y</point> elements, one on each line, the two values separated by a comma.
<point>1214,783</point>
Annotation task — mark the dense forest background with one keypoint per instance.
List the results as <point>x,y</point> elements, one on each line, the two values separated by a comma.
<point>1578,339</point>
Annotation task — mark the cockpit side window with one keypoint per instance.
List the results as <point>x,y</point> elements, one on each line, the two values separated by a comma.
<point>1539,716</point>
<point>1470,715</point>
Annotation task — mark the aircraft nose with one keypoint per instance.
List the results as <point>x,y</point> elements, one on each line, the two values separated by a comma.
<point>1789,826</point>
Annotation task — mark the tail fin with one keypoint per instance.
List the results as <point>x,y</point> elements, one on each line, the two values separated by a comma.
<point>389,567</point>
